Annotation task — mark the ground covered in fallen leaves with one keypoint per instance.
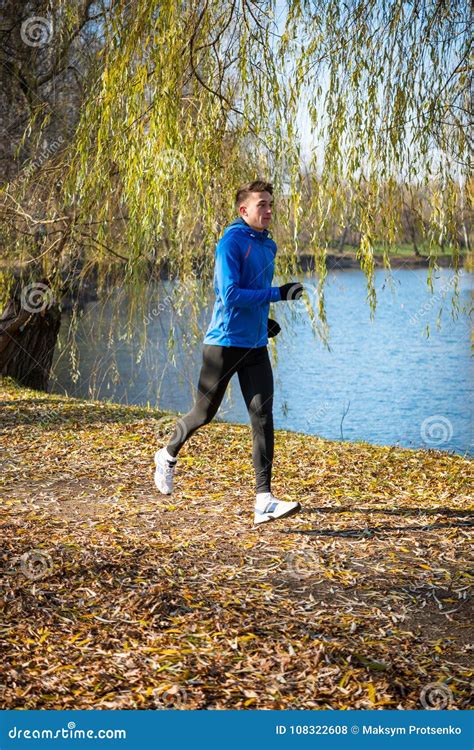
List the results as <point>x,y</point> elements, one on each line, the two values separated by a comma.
<point>113,596</point>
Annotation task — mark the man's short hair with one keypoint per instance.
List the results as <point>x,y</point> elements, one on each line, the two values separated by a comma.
<point>257,186</point>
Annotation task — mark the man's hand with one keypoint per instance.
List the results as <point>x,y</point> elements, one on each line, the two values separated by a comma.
<point>291,291</point>
<point>273,328</point>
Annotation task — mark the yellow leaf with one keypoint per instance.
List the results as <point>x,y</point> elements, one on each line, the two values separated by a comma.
<point>344,678</point>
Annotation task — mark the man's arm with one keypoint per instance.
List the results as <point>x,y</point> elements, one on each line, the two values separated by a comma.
<point>228,279</point>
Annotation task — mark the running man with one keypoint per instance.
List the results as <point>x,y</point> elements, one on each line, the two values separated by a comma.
<point>236,342</point>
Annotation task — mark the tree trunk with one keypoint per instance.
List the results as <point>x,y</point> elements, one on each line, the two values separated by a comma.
<point>413,239</point>
<point>467,243</point>
<point>342,239</point>
<point>29,330</point>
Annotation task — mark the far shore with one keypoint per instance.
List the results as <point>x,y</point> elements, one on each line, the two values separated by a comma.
<point>334,261</point>
<point>342,261</point>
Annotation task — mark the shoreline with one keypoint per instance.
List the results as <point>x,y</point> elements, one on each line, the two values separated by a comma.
<point>342,261</point>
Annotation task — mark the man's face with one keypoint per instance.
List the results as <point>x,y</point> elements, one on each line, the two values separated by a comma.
<point>257,210</point>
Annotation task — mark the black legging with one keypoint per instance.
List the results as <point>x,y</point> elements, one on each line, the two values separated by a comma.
<point>256,382</point>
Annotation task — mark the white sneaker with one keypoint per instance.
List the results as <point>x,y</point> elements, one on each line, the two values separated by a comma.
<point>268,508</point>
<point>164,473</point>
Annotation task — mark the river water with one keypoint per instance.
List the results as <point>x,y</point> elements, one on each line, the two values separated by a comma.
<point>382,381</point>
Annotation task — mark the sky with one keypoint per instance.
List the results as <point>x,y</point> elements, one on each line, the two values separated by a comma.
<point>307,139</point>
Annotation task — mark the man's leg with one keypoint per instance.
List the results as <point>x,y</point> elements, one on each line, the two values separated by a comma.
<point>218,366</point>
<point>256,382</point>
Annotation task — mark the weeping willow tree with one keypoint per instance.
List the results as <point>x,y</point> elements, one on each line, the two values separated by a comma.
<point>177,103</point>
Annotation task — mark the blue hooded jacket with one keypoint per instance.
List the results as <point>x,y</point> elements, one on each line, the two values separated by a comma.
<point>244,266</point>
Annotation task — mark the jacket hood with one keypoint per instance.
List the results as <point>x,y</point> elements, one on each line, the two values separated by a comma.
<point>242,224</point>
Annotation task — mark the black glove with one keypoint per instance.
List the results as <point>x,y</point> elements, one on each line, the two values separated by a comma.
<point>290,291</point>
<point>273,329</point>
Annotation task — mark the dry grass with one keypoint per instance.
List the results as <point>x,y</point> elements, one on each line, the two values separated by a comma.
<point>137,600</point>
